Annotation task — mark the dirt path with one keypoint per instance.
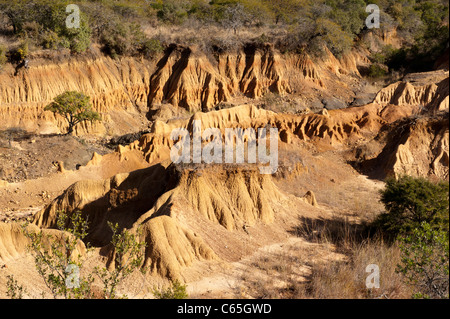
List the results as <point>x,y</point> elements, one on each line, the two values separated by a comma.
<point>265,273</point>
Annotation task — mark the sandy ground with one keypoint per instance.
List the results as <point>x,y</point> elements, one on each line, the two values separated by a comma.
<point>275,266</point>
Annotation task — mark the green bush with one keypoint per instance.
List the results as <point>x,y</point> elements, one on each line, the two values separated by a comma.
<point>330,34</point>
<point>283,11</point>
<point>60,267</point>
<point>47,24</point>
<point>171,11</point>
<point>149,48</point>
<point>79,39</point>
<point>128,256</point>
<point>175,291</point>
<point>423,29</point>
<point>417,218</point>
<point>16,13</point>
<point>18,54</point>
<point>425,261</point>
<point>15,290</point>
<point>349,15</point>
<point>49,40</point>
<point>409,201</point>
<point>376,71</point>
<point>54,256</point>
<point>120,39</point>
<point>115,40</point>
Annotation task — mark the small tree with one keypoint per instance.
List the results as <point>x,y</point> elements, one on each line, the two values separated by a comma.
<point>15,291</point>
<point>17,13</point>
<point>74,107</point>
<point>78,39</point>
<point>418,217</point>
<point>235,17</point>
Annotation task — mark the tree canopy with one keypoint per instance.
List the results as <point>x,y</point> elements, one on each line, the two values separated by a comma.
<point>75,107</point>
<point>410,201</point>
<point>119,25</point>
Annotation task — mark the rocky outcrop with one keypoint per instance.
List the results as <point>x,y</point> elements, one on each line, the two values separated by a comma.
<point>417,146</point>
<point>170,247</point>
<point>187,78</point>
<point>422,150</point>
<point>230,198</point>
<point>150,200</point>
<point>428,89</point>
<point>101,201</point>
<point>334,127</point>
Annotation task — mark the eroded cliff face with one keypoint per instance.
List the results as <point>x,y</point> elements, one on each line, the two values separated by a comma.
<point>428,89</point>
<point>15,243</point>
<point>416,146</point>
<point>187,78</point>
<point>424,150</point>
<point>118,91</point>
<point>123,91</point>
<point>333,128</point>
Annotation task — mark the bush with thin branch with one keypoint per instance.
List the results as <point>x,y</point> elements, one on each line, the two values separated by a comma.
<point>58,259</point>
<point>127,257</point>
<point>425,261</point>
<point>409,201</point>
<point>14,289</point>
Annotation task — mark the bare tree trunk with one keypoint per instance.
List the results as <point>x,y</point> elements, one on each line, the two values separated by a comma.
<point>70,129</point>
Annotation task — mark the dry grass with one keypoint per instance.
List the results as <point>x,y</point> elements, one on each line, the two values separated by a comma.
<point>347,279</point>
<point>341,232</point>
<point>208,37</point>
<point>317,272</point>
<point>282,104</point>
<point>271,275</point>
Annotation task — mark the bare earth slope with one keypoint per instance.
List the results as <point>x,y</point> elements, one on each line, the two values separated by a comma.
<point>200,217</point>
<point>124,90</point>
